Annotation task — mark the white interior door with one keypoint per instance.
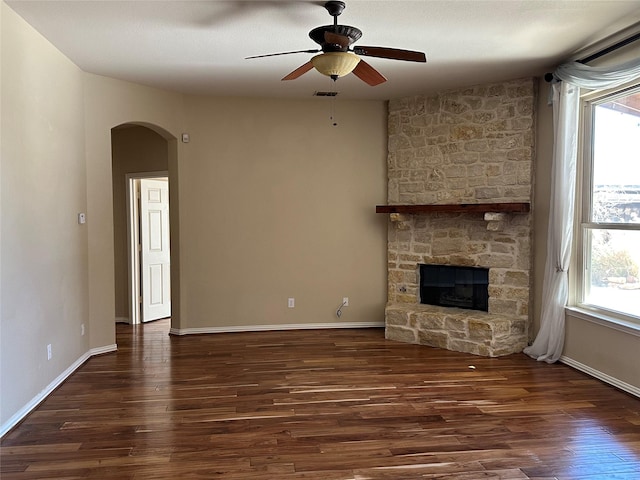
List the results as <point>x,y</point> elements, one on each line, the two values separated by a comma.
<point>154,249</point>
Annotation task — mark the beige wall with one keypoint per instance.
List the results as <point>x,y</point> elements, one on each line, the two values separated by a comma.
<point>44,249</point>
<point>135,149</point>
<point>273,202</point>
<point>605,350</point>
<point>541,195</point>
<point>276,203</point>
<point>109,103</point>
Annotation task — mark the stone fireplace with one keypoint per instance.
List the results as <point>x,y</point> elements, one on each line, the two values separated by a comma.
<point>470,147</point>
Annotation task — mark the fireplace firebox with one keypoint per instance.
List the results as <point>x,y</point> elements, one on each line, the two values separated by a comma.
<point>452,286</point>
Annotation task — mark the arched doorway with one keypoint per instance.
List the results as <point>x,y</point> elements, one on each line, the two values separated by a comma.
<point>139,151</point>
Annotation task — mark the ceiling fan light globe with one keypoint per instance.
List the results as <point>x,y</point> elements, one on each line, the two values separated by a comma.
<point>335,64</point>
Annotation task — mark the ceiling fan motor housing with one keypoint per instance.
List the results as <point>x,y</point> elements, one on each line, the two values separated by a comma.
<point>319,36</point>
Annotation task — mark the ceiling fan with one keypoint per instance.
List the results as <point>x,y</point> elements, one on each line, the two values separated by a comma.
<point>339,58</point>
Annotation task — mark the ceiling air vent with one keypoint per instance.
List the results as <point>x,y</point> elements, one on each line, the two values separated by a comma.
<point>325,94</point>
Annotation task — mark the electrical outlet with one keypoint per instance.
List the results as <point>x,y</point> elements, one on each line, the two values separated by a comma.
<point>82,329</point>
<point>292,302</point>
<point>49,354</point>
<point>345,301</point>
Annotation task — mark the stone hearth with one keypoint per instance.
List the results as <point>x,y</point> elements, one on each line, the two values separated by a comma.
<point>468,146</point>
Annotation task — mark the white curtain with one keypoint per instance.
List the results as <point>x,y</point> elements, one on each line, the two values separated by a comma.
<point>598,77</point>
<point>549,342</point>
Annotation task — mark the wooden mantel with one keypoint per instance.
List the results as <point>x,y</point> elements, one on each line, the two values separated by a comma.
<point>459,207</point>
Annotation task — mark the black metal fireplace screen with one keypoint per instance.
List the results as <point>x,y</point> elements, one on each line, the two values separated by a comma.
<point>451,286</point>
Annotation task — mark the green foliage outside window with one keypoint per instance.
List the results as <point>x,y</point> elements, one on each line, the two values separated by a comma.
<point>610,265</point>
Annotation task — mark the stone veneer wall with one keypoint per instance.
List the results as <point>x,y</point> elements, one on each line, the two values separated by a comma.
<point>474,145</point>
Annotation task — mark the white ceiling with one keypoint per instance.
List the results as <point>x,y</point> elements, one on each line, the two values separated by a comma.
<point>199,46</point>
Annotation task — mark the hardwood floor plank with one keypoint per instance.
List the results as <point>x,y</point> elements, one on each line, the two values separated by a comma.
<point>321,405</point>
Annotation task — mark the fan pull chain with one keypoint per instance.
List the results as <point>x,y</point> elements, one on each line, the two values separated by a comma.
<point>333,115</point>
<point>333,103</point>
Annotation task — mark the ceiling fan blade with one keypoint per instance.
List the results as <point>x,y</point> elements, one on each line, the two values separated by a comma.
<point>391,53</point>
<point>283,53</point>
<point>337,39</point>
<point>301,70</point>
<point>368,74</point>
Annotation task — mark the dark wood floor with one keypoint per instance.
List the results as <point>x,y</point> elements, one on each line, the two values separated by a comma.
<point>321,405</point>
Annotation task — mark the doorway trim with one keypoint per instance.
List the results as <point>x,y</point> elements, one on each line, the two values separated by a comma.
<point>133,254</point>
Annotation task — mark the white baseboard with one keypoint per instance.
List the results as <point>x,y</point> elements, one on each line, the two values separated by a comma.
<point>624,386</point>
<point>266,328</point>
<point>122,320</point>
<point>102,350</point>
<point>35,401</point>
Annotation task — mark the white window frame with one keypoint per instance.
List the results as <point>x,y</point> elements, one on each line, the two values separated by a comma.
<point>583,223</point>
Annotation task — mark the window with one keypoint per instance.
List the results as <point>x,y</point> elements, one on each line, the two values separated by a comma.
<point>609,236</point>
